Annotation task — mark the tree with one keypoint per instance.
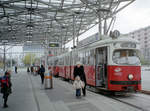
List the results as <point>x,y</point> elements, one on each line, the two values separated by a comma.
<point>29,59</point>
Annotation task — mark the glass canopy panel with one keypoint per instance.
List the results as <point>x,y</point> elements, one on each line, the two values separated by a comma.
<point>54,19</point>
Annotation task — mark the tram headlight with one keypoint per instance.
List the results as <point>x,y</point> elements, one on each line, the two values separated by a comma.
<point>130,76</point>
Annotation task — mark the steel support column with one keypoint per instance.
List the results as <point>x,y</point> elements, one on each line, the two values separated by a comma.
<point>100,20</point>
<point>4,58</point>
<point>73,31</point>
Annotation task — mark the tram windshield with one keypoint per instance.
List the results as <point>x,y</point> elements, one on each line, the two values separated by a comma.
<point>126,57</point>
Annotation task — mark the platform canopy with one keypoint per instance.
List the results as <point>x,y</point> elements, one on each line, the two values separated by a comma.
<point>54,20</point>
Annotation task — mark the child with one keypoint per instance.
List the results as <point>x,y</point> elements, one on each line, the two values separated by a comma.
<point>78,85</point>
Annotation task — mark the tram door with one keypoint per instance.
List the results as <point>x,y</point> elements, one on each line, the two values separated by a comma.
<point>101,65</point>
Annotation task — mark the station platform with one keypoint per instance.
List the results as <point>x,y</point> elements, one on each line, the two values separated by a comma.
<point>29,95</point>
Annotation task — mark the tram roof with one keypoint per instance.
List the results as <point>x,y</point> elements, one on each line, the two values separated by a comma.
<point>106,40</point>
<point>52,20</point>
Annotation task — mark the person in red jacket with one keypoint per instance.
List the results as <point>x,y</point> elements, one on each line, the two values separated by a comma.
<point>6,87</point>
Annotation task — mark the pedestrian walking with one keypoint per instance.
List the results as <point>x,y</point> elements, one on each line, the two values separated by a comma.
<point>79,71</point>
<point>31,69</point>
<point>15,69</point>
<point>38,70</point>
<point>28,70</point>
<point>78,85</point>
<point>42,71</point>
<point>6,87</point>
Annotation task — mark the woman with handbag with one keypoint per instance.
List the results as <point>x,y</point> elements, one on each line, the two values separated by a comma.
<point>79,71</point>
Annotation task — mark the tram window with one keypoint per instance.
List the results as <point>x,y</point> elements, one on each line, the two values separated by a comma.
<point>100,56</point>
<point>87,57</point>
<point>83,59</point>
<point>56,62</point>
<point>123,53</point>
<point>126,56</point>
<point>61,61</point>
<point>71,60</point>
<point>75,58</point>
<point>79,55</point>
<point>66,62</point>
<point>91,61</point>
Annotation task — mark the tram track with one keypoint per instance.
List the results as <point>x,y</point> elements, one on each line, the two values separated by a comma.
<point>109,95</point>
<point>129,104</point>
<point>114,97</point>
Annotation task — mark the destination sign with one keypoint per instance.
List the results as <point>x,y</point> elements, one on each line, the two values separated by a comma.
<point>53,44</point>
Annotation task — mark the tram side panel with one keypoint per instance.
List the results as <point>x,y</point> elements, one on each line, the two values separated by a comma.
<point>72,70</point>
<point>73,60</point>
<point>67,72</point>
<point>87,57</point>
<point>56,72</point>
<point>90,75</point>
<point>67,66</point>
<point>118,78</point>
<point>62,71</point>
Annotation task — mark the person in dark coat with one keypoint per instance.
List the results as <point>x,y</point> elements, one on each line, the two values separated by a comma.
<point>42,71</point>
<point>28,70</point>
<point>6,87</point>
<point>15,69</point>
<point>31,69</point>
<point>79,71</point>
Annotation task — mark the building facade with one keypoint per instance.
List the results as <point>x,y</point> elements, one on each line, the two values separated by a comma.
<point>143,35</point>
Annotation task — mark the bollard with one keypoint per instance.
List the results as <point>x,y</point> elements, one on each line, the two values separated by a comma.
<point>48,80</point>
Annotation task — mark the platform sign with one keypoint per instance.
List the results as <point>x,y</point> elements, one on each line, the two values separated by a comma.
<point>51,45</point>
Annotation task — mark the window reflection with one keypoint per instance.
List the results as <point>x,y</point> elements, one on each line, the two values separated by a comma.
<point>126,57</point>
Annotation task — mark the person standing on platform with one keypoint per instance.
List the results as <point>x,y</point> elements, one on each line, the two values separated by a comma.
<point>15,69</point>
<point>31,69</point>
<point>78,85</point>
<point>28,70</point>
<point>6,86</point>
<point>42,71</point>
<point>79,71</point>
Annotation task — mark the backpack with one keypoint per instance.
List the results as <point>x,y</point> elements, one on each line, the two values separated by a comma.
<point>4,83</point>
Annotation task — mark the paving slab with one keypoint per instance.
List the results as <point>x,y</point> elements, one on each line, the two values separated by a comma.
<point>29,95</point>
<point>22,98</point>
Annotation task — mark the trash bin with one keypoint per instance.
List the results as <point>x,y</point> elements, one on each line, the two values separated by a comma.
<point>48,80</point>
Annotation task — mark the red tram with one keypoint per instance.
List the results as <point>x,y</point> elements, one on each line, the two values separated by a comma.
<point>111,63</point>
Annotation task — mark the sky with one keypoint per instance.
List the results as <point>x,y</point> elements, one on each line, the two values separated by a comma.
<point>131,18</point>
<point>134,16</point>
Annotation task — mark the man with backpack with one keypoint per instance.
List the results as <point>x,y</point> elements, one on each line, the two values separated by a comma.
<point>5,83</point>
